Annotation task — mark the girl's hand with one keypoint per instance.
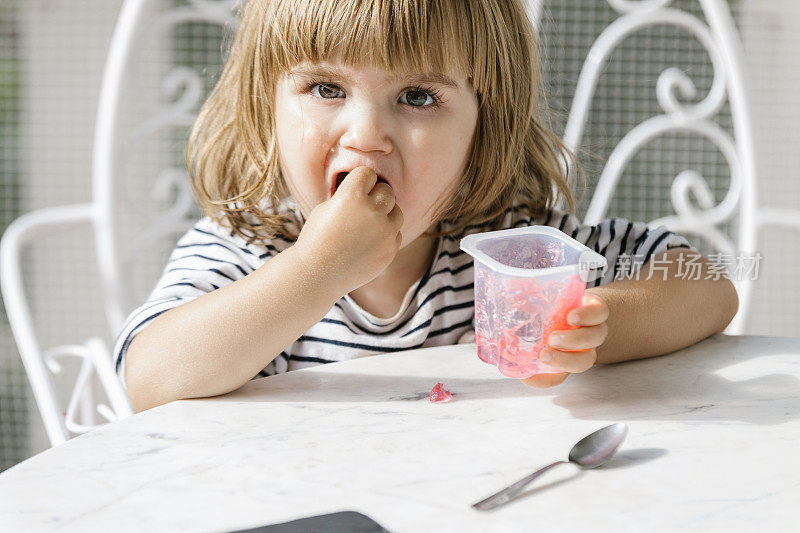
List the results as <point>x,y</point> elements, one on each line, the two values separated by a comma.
<point>355,235</point>
<point>574,350</point>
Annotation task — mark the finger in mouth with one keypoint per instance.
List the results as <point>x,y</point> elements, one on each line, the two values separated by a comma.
<point>342,175</point>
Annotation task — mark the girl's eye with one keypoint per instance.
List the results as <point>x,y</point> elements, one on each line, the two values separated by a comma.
<point>417,97</point>
<point>326,91</point>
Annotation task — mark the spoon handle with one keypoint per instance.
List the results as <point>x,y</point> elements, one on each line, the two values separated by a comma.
<point>501,497</point>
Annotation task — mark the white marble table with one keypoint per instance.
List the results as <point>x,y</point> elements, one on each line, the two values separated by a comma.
<point>714,445</point>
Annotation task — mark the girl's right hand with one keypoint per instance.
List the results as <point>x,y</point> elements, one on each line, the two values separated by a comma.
<point>355,235</point>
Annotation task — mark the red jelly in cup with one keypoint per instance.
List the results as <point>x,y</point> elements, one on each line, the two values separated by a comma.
<point>526,281</point>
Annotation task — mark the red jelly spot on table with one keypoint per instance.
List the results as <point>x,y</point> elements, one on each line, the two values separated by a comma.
<point>440,394</point>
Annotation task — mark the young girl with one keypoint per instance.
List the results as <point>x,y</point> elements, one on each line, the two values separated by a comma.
<point>346,149</point>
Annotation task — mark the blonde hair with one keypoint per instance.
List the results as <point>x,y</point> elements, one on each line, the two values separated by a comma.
<point>232,153</point>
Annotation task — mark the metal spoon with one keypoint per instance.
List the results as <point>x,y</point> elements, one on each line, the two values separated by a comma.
<point>589,452</point>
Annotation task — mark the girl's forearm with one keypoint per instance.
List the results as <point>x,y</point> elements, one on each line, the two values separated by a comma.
<point>217,342</point>
<point>664,313</point>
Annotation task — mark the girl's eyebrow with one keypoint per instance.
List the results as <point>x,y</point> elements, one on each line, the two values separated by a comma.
<point>334,72</point>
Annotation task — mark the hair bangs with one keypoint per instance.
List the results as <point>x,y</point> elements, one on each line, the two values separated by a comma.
<point>393,35</point>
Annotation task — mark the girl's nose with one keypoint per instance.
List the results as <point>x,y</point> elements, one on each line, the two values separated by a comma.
<point>366,130</point>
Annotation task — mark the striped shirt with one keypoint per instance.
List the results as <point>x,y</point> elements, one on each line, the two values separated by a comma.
<point>437,310</point>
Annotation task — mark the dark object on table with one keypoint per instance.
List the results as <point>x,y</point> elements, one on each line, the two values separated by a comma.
<point>343,521</point>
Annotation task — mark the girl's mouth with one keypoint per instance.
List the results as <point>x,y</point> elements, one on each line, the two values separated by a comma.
<point>342,175</point>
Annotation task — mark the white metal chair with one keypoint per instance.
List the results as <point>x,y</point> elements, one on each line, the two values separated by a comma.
<point>719,38</point>
<point>96,362</point>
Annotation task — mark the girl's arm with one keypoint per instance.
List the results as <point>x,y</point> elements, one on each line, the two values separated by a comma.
<point>637,318</point>
<point>217,342</point>
<point>664,313</point>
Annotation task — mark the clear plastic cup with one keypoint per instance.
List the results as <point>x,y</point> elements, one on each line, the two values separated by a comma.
<point>526,281</point>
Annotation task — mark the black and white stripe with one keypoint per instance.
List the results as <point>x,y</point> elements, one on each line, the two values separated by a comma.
<point>438,309</point>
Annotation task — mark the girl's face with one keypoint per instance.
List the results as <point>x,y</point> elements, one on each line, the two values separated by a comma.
<point>413,130</point>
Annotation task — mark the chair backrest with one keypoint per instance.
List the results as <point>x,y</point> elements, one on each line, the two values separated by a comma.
<point>135,221</point>
<point>719,37</point>
<point>165,208</point>
<point>141,200</point>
